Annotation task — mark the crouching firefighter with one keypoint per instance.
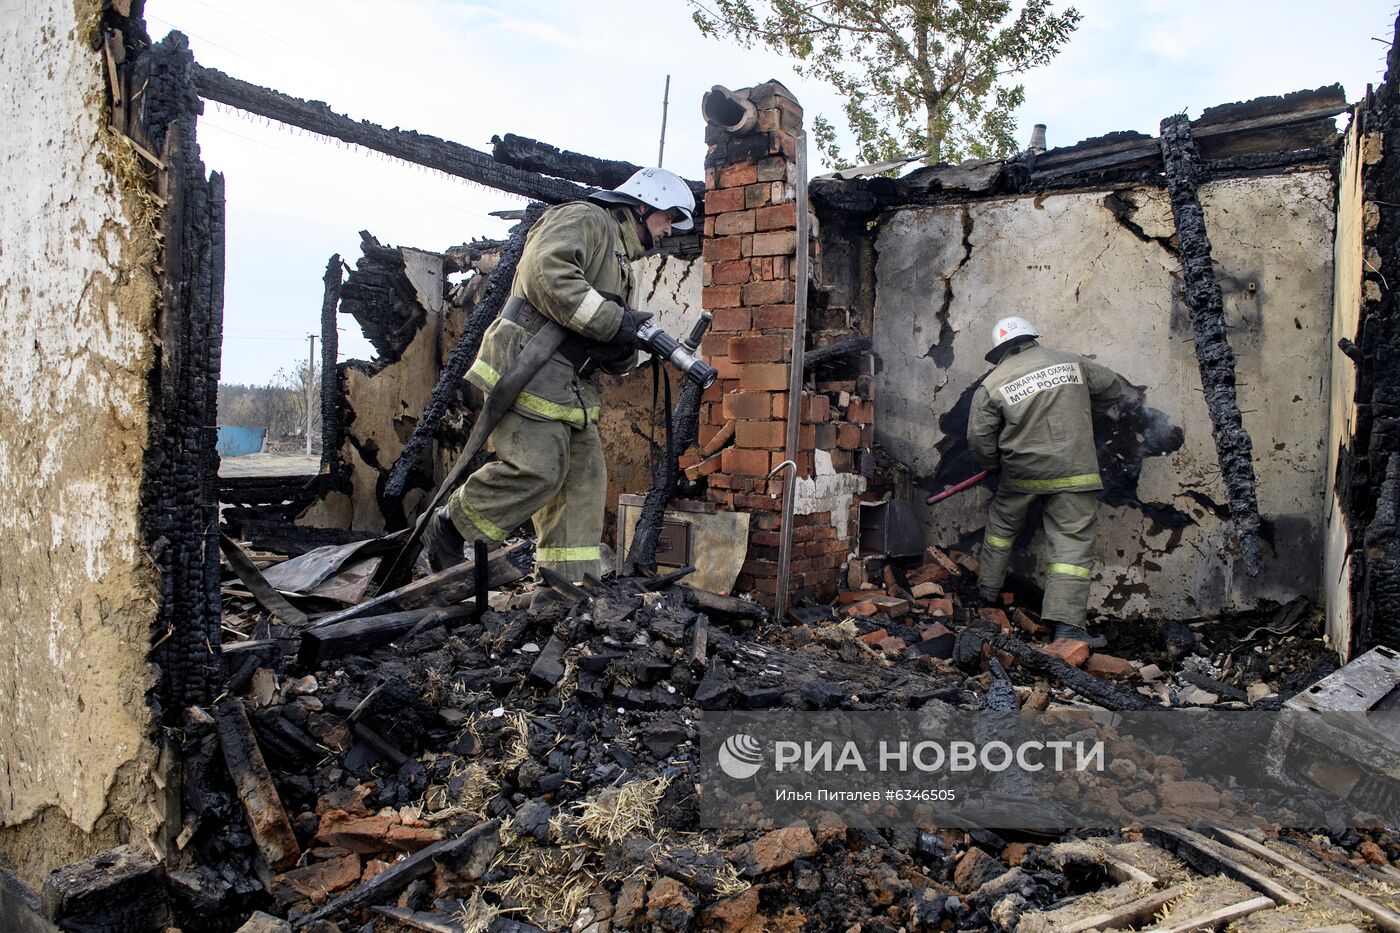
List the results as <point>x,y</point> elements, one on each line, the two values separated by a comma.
<point>566,319</point>
<point>1032,420</point>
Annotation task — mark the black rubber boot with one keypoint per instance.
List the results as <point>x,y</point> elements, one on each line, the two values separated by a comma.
<point>444,543</point>
<point>1065,630</point>
<point>989,596</point>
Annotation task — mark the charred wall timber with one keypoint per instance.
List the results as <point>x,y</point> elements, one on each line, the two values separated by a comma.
<point>534,156</point>
<point>1233,446</point>
<point>440,154</point>
<point>332,420</point>
<point>180,474</point>
<point>1369,468</point>
<point>449,382</point>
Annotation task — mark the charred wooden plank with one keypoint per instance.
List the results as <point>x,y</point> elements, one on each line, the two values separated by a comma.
<point>359,636</point>
<point>267,597</point>
<point>120,889</point>
<point>421,149</point>
<point>716,603</point>
<point>450,586</point>
<point>834,351</point>
<point>1210,857</point>
<point>1233,446</point>
<point>267,821</point>
<point>1086,685</point>
<point>466,855</point>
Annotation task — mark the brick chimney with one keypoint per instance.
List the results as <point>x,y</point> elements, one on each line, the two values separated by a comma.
<point>750,251</point>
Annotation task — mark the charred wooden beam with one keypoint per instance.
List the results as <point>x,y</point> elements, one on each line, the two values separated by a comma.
<point>1086,685</point>
<point>383,301</point>
<point>466,857</point>
<point>266,595</point>
<point>685,426</point>
<point>419,148</point>
<point>332,424</point>
<point>267,820</point>
<point>532,155</point>
<point>120,889</point>
<point>1233,446</point>
<point>359,636</point>
<point>453,585</point>
<point>497,290</point>
<point>834,351</point>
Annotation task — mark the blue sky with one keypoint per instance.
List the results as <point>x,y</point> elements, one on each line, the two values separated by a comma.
<point>589,77</point>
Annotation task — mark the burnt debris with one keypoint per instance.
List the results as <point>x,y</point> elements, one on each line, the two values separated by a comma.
<point>1217,361</point>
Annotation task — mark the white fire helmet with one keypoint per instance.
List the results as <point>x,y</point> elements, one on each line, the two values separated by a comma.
<point>1009,328</point>
<point>654,187</point>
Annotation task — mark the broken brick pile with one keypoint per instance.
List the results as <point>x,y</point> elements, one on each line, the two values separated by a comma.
<point>750,280</point>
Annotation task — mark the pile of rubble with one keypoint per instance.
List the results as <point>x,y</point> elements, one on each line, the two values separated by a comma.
<point>407,762</point>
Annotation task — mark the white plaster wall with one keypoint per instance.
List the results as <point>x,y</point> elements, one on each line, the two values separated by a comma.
<point>1096,286</point>
<point>76,298</point>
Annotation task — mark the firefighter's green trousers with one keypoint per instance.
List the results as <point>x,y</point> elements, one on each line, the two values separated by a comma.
<point>546,470</point>
<point>1069,535</point>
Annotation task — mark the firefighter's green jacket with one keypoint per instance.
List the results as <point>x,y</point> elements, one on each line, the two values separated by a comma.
<point>574,254</point>
<point>1031,419</point>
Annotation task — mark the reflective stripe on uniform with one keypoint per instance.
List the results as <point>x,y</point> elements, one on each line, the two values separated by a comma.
<point>998,542</point>
<point>587,309</point>
<point>1070,570</point>
<point>560,555</point>
<point>1051,485</point>
<point>570,414</point>
<point>482,524</point>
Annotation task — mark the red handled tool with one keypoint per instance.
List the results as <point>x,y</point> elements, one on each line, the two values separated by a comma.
<point>954,490</point>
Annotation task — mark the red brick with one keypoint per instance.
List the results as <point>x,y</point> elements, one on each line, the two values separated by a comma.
<point>772,169</point>
<point>777,217</point>
<point>772,317</point>
<point>935,630</point>
<point>718,248</point>
<point>747,405</point>
<point>316,881</point>
<point>765,434</point>
<point>725,367</point>
<point>765,349</point>
<point>864,609</point>
<point>748,500</point>
<point>939,606</point>
<point>815,408</point>
<point>825,436</point>
<point>758,194</point>
<point>781,243</point>
<point>722,200</point>
<point>709,227</point>
<point>1107,665</point>
<point>720,296</point>
<point>926,589</point>
<point>843,461</point>
<point>734,222</point>
<point>732,272</point>
<point>719,496</point>
<point>1029,622</point>
<point>739,174</point>
<point>731,319</point>
<point>765,538</point>
<point>838,385</point>
<point>936,556</point>
<point>747,462</point>
<point>1072,651</point>
<point>997,618</point>
<point>772,376</point>
<point>966,561</point>
<point>848,436</point>
<point>867,435</point>
<point>767,293</point>
<point>713,345</point>
<point>860,411</point>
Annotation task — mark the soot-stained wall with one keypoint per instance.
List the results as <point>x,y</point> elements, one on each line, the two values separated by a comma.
<point>77,307</point>
<point>1097,273</point>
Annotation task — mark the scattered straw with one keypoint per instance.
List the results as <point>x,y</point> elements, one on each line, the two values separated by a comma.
<point>617,812</point>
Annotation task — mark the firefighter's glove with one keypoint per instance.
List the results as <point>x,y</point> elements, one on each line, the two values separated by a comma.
<point>632,320</point>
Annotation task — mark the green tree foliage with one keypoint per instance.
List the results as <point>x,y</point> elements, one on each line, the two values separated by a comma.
<point>917,75</point>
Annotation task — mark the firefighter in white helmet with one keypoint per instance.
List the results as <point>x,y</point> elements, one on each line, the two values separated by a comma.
<point>1032,421</point>
<point>575,270</point>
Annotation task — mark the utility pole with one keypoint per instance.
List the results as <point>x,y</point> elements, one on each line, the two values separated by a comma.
<point>665,105</point>
<point>310,388</point>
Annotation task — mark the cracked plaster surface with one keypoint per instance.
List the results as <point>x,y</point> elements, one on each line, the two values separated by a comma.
<point>1096,272</point>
